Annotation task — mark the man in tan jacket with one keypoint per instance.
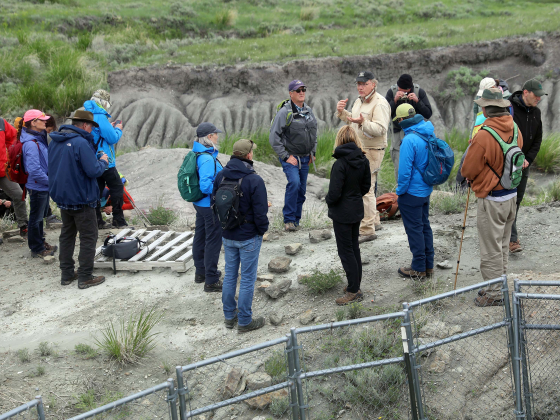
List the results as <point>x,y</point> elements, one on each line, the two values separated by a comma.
<point>484,168</point>
<point>370,117</point>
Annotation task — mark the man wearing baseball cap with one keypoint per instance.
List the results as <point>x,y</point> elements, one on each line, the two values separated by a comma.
<point>293,136</point>
<point>370,118</point>
<point>242,243</point>
<point>528,118</point>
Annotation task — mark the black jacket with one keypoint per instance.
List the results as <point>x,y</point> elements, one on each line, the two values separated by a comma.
<point>528,119</point>
<point>350,181</point>
<point>422,107</point>
<point>253,204</point>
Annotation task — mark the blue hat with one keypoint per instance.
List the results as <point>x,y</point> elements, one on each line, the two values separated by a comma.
<point>295,84</point>
<point>205,129</point>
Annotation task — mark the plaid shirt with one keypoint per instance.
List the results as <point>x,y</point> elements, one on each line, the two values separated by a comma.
<point>303,112</point>
<point>77,206</point>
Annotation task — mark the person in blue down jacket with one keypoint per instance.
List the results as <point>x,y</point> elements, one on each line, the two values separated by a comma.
<point>105,137</point>
<point>414,193</point>
<point>74,170</point>
<point>33,136</point>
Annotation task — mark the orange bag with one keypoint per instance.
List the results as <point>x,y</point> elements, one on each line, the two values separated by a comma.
<point>387,205</point>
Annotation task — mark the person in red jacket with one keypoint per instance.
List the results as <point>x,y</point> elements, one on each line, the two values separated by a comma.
<point>8,136</point>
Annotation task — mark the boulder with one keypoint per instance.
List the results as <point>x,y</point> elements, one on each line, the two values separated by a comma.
<point>279,264</point>
<point>276,319</point>
<point>258,380</point>
<point>279,289</point>
<point>263,401</point>
<point>307,317</point>
<point>235,383</point>
<point>316,236</point>
<point>293,249</point>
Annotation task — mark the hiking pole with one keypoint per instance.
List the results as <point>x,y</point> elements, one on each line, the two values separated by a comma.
<point>462,235</point>
<point>138,211</point>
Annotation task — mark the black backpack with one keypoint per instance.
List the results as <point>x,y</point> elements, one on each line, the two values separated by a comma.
<point>226,203</point>
<point>124,249</point>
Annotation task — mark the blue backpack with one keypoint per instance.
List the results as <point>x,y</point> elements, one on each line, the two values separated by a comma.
<point>440,160</point>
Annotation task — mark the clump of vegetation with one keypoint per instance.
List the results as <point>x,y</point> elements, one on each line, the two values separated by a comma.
<point>160,215</point>
<point>308,13</point>
<point>166,367</point>
<point>320,282</point>
<point>40,371</point>
<point>279,407</point>
<point>407,41</point>
<point>85,350</point>
<point>93,398</point>
<point>548,158</point>
<point>355,310</point>
<point>463,82</point>
<point>45,349</point>
<point>23,355</point>
<point>276,367</point>
<point>225,18</point>
<point>448,202</point>
<point>131,339</point>
<point>340,314</point>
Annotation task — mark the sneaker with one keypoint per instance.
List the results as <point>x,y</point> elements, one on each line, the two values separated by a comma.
<point>350,298</point>
<point>23,231</point>
<point>104,225</point>
<point>290,227</point>
<point>413,274</point>
<point>214,287</point>
<point>366,238</point>
<point>70,280</point>
<point>487,300</point>
<point>230,323</point>
<point>49,247</point>
<point>255,324</point>
<point>515,247</point>
<point>42,254</point>
<point>93,281</point>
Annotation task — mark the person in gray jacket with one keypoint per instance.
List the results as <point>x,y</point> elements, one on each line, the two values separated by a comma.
<point>293,136</point>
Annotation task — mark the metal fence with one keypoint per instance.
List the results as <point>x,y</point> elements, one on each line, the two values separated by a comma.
<point>31,410</point>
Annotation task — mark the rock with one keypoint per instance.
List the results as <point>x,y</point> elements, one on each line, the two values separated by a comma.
<point>301,277</point>
<point>270,237</point>
<point>279,289</point>
<point>259,418</point>
<point>235,383</point>
<point>293,249</point>
<point>307,317</point>
<point>263,401</point>
<point>316,236</point>
<point>276,319</point>
<point>9,233</point>
<point>439,329</point>
<point>258,380</point>
<point>49,259</point>
<point>441,359</point>
<point>263,286</point>
<point>444,264</point>
<point>16,239</point>
<point>279,264</point>
<point>265,277</point>
<point>365,261</point>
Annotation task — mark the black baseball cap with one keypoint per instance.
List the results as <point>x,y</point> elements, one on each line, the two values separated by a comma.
<point>364,76</point>
<point>535,87</point>
<point>205,129</point>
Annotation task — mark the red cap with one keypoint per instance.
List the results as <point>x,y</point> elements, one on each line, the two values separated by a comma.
<point>34,114</point>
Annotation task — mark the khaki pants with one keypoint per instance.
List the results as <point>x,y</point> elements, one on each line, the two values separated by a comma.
<point>14,191</point>
<point>371,215</point>
<point>396,152</point>
<point>494,220</point>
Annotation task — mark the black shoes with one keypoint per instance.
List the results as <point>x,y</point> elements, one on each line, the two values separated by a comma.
<point>201,278</point>
<point>120,224</point>
<point>214,287</point>
<point>103,225</point>
<point>255,324</point>
<point>93,281</point>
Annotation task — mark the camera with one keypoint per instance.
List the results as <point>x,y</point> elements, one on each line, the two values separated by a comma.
<point>403,99</point>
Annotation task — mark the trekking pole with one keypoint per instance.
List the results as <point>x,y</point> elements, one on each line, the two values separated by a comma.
<point>462,235</point>
<point>138,211</point>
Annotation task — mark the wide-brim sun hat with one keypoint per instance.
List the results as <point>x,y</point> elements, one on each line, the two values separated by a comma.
<point>492,97</point>
<point>84,116</point>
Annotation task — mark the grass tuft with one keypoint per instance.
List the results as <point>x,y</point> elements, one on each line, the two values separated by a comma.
<point>40,371</point>
<point>308,13</point>
<point>225,18</point>
<point>85,350</point>
<point>23,355</point>
<point>279,407</point>
<point>355,310</point>
<point>548,158</point>
<point>321,282</point>
<point>45,349</point>
<point>160,215</point>
<point>275,366</point>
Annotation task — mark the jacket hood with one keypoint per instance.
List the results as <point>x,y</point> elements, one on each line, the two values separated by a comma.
<point>70,132</point>
<point>199,147</point>
<point>30,135</point>
<point>417,124</point>
<point>94,108</point>
<point>351,152</point>
<point>238,168</point>
<point>503,123</point>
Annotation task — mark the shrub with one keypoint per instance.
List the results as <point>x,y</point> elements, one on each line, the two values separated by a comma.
<point>355,310</point>
<point>406,41</point>
<point>448,202</point>
<point>23,355</point>
<point>161,216</point>
<point>279,407</point>
<point>340,315</point>
<point>40,371</point>
<point>45,349</point>
<point>320,282</point>
<point>308,13</point>
<point>84,41</point>
<point>275,366</point>
<point>548,158</point>
<point>462,82</point>
<point>225,18</point>
<point>130,340</point>
<point>85,350</point>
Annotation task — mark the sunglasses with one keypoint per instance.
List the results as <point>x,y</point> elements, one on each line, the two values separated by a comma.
<point>301,89</point>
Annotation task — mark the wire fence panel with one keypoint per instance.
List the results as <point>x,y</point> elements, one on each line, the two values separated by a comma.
<point>217,387</point>
<point>32,410</point>
<point>463,353</point>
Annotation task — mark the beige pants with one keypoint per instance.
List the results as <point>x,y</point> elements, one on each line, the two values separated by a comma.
<point>494,220</point>
<point>396,141</point>
<point>371,215</point>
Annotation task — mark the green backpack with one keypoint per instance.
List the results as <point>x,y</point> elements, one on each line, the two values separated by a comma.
<point>289,116</point>
<point>187,178</point>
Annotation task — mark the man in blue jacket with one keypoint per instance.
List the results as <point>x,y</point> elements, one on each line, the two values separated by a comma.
<point>414,193</point>
<point>242,243</point>
<point>105,136</point>
<point>207,241</point>
<point>74,169</point>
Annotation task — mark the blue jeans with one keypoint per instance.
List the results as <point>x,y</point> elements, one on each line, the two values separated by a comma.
<point>39,206</point>
<point>245,253</point>
<point>295,190</point>
<point>415,211</point>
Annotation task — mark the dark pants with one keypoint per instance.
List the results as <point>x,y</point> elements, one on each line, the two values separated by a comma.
<point>112,179</point>
<point>295,190</point>
<point>346,235</point>
<point>520,193</point>
<point>74,221</point>
<point>39,204</point>
<point>415,212</point>
<point>207,244</point>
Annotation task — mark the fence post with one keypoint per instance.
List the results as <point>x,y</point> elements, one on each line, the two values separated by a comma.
<point>172,398</point>
<point>406,339</point>
<point>523,358</point>
<point>291,376</point>
<point>414,367</point>
<point>513,322</point>
<point>297,373</point>
<point>181,391</point>
<point>40,408</point>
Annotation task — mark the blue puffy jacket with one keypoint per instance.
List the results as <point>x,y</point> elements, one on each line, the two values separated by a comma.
<point>253,204</point>
<point>74,167</point>
<point>106,136</point>
<point>208,167</point>
<point>35,159</point>
<point>414,157</point>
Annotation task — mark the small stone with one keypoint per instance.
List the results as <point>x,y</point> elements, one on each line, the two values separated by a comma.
<point>274,236</point>
<point>279,264</point>
<point>259,418</point>
<point>263,401</point>
<point>293,249</point>
<point>49,259</point>
<point>444,264</point>
<point>441,359</point>
<point>266,237</point>
<point>258,380</point>
<point>326,234</point>
<point>16,239</point>
<point>265,277</point>
<point>278,290</point>
<point>263,286</point>
<point>235,383</point>
<point>316,236</point>
<point>276,319</point>
<point>365,261</point>
<point>307,317</point>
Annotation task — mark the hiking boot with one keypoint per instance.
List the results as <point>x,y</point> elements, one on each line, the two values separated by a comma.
<point>429,272</point>
<point>230,323</point>
<point>515,247</point>
<point>44,253</point>
<point>255,324</point>
<point>49,247</point>
<point>120,225</point>
<point>366,238</point>
<point>487,300</point>
<point>103,225</point>
<point>214,287</point>
<point>93,281</point>
<point>350,298</point>
<point>23,231</point>
<point>52,220</point>
<point>378,228</point>
<point>199,278</point>
<point>290,227</point>
<point>70,280</point>
<point>413,274</point>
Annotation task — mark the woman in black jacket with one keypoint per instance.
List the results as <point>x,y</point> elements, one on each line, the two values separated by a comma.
<point>350,181</point>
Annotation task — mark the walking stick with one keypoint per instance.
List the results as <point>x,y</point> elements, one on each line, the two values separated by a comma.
<point>138,211</point>
<point>462,234</point>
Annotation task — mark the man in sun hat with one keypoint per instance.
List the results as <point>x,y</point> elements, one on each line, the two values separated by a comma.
<point>73,172</point>
<point>483,167</point>
<point>370,118</point>
<point>242,243</point>
<point>528,118</point>
<point>293,136</point>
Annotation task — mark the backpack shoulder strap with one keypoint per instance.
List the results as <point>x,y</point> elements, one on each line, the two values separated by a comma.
<point>2,125</point>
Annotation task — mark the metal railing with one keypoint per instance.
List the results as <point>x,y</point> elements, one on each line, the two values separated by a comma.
<point>37,403</point>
